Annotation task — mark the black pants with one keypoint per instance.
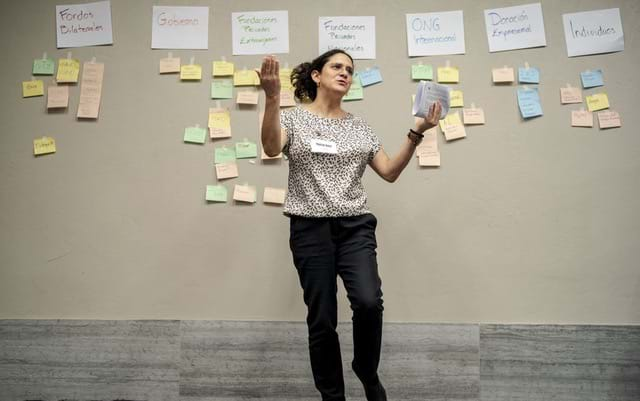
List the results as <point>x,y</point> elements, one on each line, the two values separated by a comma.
<point>322,249</point>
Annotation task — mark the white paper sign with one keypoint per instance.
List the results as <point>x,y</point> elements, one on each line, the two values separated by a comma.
<point>87,24</point>
<point>180,28</point>
<point>355,35</point>
<point>435,34</point>
<point>593,32</point>
<point>517,27</point>
<point>260,32</point>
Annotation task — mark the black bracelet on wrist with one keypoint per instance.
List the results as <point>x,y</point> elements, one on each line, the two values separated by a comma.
<point>416,133</point>
<point>414,137</point>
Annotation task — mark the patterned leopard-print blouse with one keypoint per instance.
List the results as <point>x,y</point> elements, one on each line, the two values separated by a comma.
<point>321,184</point>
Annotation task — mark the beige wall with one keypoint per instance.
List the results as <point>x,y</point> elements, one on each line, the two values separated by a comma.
<point>524,222</point>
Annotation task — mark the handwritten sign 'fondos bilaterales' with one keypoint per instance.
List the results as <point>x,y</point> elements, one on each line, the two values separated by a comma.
<point>517,27</point>
<point>260,32</point>
<point>355,35</point>
<point>79,25</point>
<point>593,32</point>
<point>180,27</point>
<point>434,34</point>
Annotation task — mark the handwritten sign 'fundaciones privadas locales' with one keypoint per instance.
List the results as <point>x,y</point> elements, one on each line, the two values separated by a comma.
<point>79,25</point>
<point>355,35</point>
<point>260,32</point>
<point>517,27</point>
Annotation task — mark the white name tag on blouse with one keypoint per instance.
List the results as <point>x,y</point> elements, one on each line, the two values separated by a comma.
<point>320,146</point>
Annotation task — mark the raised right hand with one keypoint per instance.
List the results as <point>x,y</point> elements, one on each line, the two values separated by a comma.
<point>269,75</point>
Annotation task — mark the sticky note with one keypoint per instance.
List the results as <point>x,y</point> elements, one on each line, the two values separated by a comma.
<point>430,159</point>
<point>448,74</point>
<point>219,123</point>
<point>169,65</point>
<point>191,72</point>
<point>57,97</point>
<point>429,143</point>
<point>502,75</point>
<point>32,88</point>
<point>529,75</point>
<point>90,90</point>
<point>264,156</point>
<point>285,79</point>
<point>450,119</point>
<point>222,89</point>
<point>452,127</point>
<point>224,154</point>
<point>422,71</point>
<point>581,118</point>
<point>287,98</point>
<point>591,78</point>
<point>68,70</point>
<point>216,193</point>
<point>473,116</point>
<point>44,145</point>
<point>246,78</point>
<point>222,68</point>
<point>195,134</point>
<point>570,95</point>
<point>356,92</point>
<point>456,99</point>
<point>246,150</point>
<point>247,97</point>
<point>44,66</point>
<point>274,195</point>
<point>597,101</point>
<point>244,193</point>
<point>529,103</point>
<point>226,170</point>
<point>370,76</point>
<point>609,119</point>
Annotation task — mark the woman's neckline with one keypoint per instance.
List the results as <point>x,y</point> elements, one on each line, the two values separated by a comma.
<point>347,115</point>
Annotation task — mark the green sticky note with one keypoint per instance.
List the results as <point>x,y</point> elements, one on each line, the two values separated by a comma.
<point>216,193</point>
<point>356,92</point>
<point>422,71</point>
<point>224,155</point>
<point>222,89</point>
<point>44,66</point>
<point>195,134</point>
<point>246,150</point>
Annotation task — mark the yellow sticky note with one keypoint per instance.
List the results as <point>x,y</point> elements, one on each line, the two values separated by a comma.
<point>597,101</point>
<point>450,119</point>
<point>219,123</point>
<point>245,78</point>
<point>448,74</point>
<point>222,68</point>
<point>285,79</point>
<point>32,88</point>
<point>44,145</point>
<point>68,70</point>
<point>456,99</point>
<point>191,72</point>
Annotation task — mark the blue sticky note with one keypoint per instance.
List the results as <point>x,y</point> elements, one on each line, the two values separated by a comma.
<point>370,76</point>
<point>529,103</point>
<point>529,75</point>
<point>591,79</point>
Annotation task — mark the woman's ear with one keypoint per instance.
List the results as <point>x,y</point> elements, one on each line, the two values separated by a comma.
<point>315,75</point>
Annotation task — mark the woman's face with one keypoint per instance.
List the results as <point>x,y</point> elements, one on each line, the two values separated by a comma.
<point>336,75</point>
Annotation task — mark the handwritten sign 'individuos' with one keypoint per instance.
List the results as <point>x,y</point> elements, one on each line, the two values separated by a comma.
<point>355,35</point>
<point>593,32</point>
<point>180,27</point>
<point>260,32</point>
<point>80,25</point>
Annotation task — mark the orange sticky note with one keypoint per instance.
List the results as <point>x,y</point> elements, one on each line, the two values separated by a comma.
<point>609,119</point>
<point>570,95</point>
<point>287,98</point>
<point>244,193</point>
<point>430,159</point>
<point>170,65</point>
<point>226,170</point>
<point>581,118</point>
<point>57,97</point>
<point>503,75</point>
<point>473,116</point>
<point>247,97</point>
<point>274,195</point>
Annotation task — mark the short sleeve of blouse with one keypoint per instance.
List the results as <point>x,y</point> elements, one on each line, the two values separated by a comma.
<point>375,144</point>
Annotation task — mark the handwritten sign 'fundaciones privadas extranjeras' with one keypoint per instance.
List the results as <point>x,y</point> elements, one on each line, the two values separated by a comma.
<point>260,32</point>
<point>79,25</point>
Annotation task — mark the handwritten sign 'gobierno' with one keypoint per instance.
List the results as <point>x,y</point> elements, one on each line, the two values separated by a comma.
<point>260,32</point>
<point>180,27</point>
<point>355,35</point>
<point>79,25</point>
<point>517,27</point>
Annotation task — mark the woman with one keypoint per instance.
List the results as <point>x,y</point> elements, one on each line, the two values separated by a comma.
<point>332,232</point>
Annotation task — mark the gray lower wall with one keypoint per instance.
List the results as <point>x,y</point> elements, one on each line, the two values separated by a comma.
<point>171,360</point>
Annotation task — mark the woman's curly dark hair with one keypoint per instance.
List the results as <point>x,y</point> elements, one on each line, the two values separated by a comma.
<point>305,87</point>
